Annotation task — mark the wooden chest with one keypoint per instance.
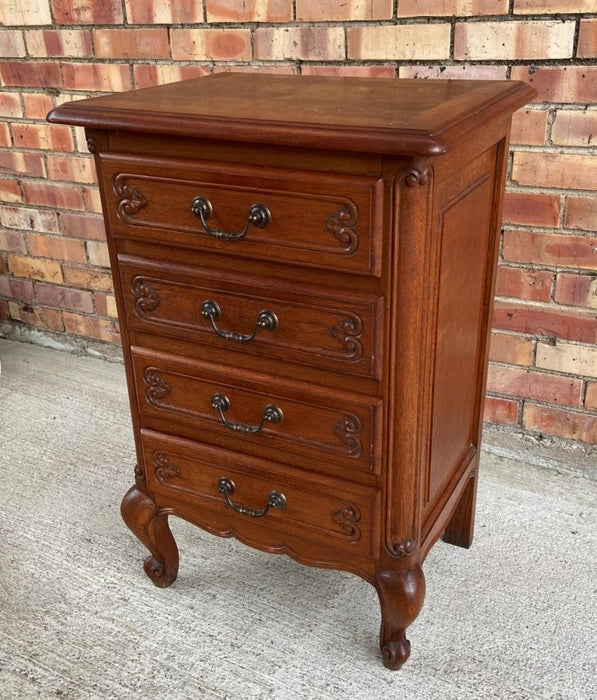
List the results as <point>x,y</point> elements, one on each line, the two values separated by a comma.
<point>304,271</point>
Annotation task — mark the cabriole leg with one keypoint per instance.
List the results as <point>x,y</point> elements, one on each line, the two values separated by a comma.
<point>150,525</point>
<point>401,595</point>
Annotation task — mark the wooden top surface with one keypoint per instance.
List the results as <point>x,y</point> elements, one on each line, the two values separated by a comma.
<point>412,117</point>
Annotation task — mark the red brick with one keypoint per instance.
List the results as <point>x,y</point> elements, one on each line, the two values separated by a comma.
<point>4,310</point>
<point>529,127</point>
<point>318,11</point>
<point>87,226</point>
<point>250,11</point>
<point>18,12</point>
<point>71,169</point>
<point>57,248</point>
<point>5,137</point>
<point>546,321</point>
<point>574,128</point>
<point>567,84</point>
<point>451,8</point>
<point>48,137</point>
<point>26,219</point>
<point>84,277</point>
<point>164,11</point>
<point>553,6</point>
<point>591,396</point>
<point>513,40</point>
<point>510,349</point>
<point>550,249</point>
<point>10,105</point>
<point>211,44</point>
<point>10,191</point>
<point>91,327</point>
<point>100,77</point>
<point>36,74</point>
<point>12,44</point>
<point>131,43</point>
<point>22,290</point>
<point>300,43</point>
<point>22,163</point>
<point>530,209</point>
<point>147,75</point>
<point>555,170</point>
<point>350,71</point>
<point>37,105</point>
<point>576,290</point>
<point>97,253</point>
<point>48,194</point>
<point>37,316</point>
<point>581,212</point>
<point>87,11</point>
<point>539,386</point>
<point>54,43</point>
<point>93,203</point>
<point>63,297</point>
<point>34,268</point>
<point>587,38</point>
<point>401,42</point>
<point>269,69</point>
<point>456,72</point>
<point>524,284</point>
<point>12,241</point>
<point>556,421</point>
<point>500,411</point>
<point>105,304</point>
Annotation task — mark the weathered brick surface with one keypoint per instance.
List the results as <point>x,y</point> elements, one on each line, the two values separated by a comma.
<point>402,42</point>
<point>53,255</point>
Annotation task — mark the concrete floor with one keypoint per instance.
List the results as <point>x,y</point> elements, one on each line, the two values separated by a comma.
<point>513,617</point>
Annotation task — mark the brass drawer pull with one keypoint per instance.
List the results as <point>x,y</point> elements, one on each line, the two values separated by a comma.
<point>271,414</point>
<point>275,499</point>
<point>267,320</point>
<point>259,216</point>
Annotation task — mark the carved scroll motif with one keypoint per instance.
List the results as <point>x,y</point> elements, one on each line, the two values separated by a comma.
<point>417,178</point>
<point>342,224</point>
<point>347,518</point>
<point>348,428</point>
<point>157,387</point>
<point>146,297</point>
<point>130,199</point>
<point>164,468</point>
<point>348,332</point>
<point>403,549</point>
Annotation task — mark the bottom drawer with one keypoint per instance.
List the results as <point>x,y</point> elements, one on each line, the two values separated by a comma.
<point>211,480</point>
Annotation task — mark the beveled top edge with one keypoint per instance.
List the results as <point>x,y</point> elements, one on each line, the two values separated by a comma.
<point>406,116</point>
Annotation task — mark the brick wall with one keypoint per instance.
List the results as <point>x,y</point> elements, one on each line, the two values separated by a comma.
<point>54,272</point>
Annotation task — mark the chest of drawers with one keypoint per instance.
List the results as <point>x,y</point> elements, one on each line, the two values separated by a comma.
<point>303,270</point>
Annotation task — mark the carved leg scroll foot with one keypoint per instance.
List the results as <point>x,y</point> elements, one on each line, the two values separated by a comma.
<point>401,595</point>
<point>150,525</point>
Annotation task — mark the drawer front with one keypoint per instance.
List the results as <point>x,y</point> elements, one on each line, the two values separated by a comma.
<point>325,510</point>
<point>315,219</point>
<point>254,317</point>
<point>291,422</point>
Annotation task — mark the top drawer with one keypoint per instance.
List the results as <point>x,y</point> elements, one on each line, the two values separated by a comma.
<point>325,220</point>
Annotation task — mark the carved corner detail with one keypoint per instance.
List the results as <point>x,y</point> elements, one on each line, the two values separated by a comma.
<point>417,178</point>
<point>139,474</point>
<point>342,223</point>
<point>348,428</point>
<point>157,387</point>
<point>347,518</point>
<point>347,332</point>
<point>92,146</point>
<point>146,297</point>
<point>130,199</point>
<point>164,468</point>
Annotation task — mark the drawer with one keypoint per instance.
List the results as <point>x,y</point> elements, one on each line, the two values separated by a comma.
<point>308,218</point>
<point>288,421</point>
<point>325,510</point>
<point>252,316</point>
